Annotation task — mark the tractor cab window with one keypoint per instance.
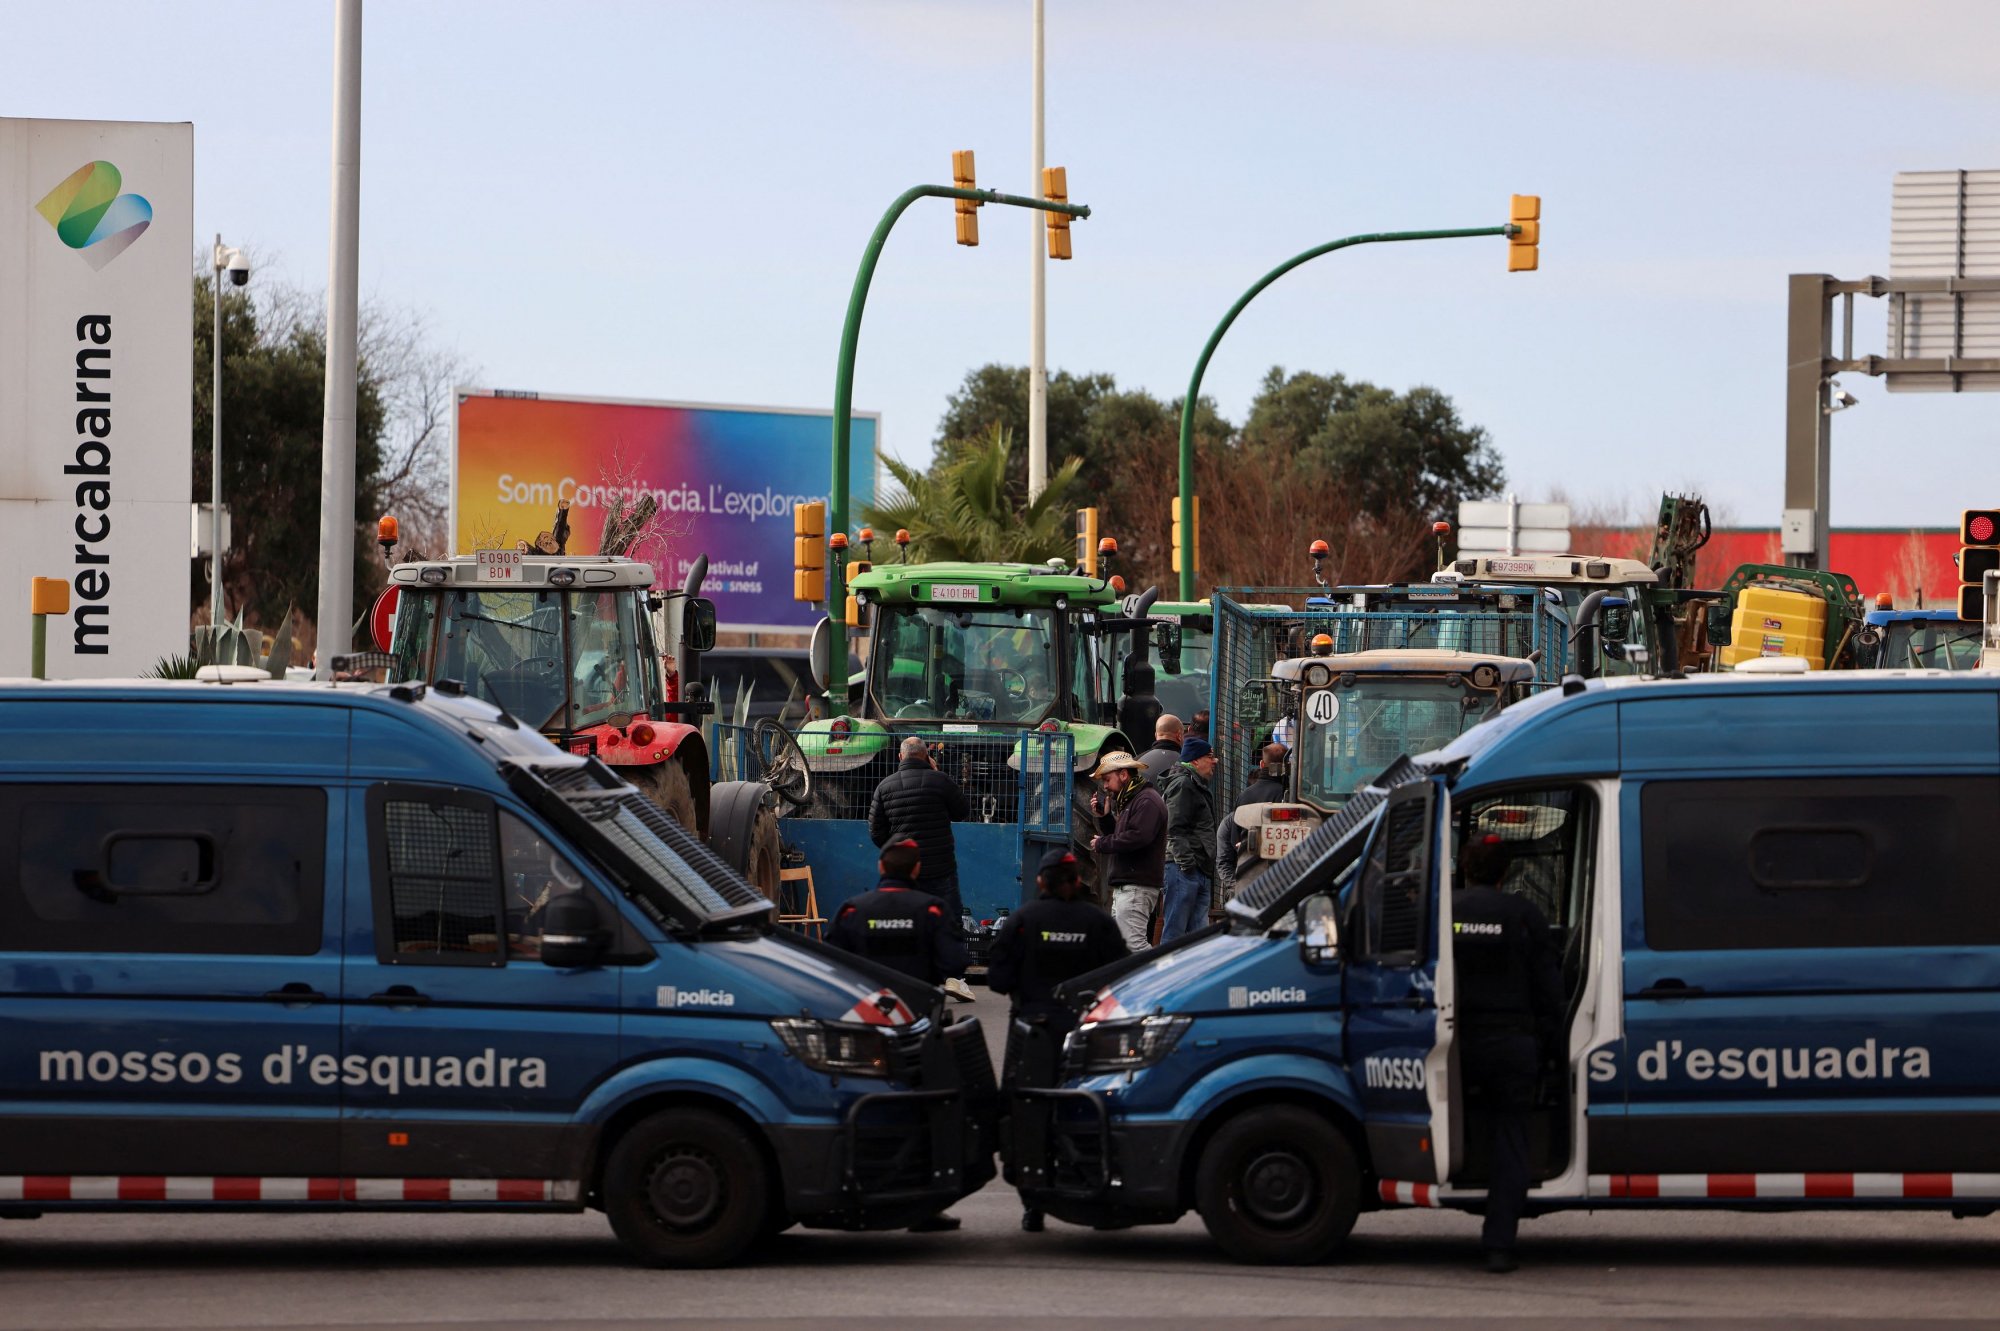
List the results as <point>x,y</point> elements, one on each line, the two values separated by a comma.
<point>1929,644</point>
<point>506,646</point>
<point>1348,733</point>
<point>416,634</point>
<point>610,660</point>
<point>993,663</point>
<point>1186,693</point>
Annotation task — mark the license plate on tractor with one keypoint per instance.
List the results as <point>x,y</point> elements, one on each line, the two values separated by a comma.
<point>1274,839</point>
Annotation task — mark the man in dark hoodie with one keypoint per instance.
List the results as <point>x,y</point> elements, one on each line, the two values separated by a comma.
<point>1267,787</point>
<point>1131,844</point>
<point>916,802</point>
<point>1190,867</point>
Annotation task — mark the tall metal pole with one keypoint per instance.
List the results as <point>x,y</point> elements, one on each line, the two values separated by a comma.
<point>1805,530</point>
<point>215,445</point>
<point>1038,322</point>
<point>336,476</point>
<point>1215,339</point>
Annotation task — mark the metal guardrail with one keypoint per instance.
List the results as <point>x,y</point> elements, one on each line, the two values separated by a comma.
<point>1255,628</point>
<point>1020,777</point>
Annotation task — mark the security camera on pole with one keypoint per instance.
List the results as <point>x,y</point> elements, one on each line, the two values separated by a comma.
<point>227,259</point>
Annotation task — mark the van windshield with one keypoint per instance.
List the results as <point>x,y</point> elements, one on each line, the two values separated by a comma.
<point>646,852</point>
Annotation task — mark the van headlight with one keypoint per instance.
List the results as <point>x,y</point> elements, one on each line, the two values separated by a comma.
<point>1120,1046</point>
<point>841,1048</point>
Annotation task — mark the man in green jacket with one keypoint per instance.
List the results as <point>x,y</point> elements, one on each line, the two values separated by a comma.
<point>1190,867</point>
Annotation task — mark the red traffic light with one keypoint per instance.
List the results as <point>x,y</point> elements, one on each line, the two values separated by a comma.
<point>1979,526</point>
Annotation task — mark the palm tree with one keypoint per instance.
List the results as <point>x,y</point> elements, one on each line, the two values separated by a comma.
<point>961,508</point>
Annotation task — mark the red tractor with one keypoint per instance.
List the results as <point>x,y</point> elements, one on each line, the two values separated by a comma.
<point>584,649</point>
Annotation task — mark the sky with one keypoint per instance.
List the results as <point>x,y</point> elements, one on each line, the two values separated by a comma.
<point>668,200</point>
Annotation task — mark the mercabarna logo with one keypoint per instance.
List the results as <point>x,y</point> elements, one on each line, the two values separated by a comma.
<point>90,215</point>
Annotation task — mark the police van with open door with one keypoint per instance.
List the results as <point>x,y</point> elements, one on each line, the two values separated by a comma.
<point>1773,901</point>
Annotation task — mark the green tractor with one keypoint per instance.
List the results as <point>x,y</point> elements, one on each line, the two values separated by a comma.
<point>960,651</point>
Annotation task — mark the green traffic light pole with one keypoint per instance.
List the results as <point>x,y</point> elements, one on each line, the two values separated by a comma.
<point>1201,366</point>
<point>843,406</point>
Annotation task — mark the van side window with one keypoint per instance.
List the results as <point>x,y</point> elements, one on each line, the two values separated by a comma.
<point>1395,882</point>
<point>1820,862</point>
<point>1549,835</point>
<point>437,855</point>
<point>535,873</point>
<point>176,869</point>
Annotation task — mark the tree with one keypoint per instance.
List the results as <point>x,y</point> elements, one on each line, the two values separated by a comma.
<point>963,508</point>
<point>273,405</point>
<point>996,397</point>
<point>1391,451</point>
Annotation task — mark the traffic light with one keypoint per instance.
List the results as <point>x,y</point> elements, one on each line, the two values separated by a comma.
<point>1055,188</point>
<point>967,209</point>
<point>1979,550</point>
<point>809,552</point>
<point>1194,536</point>
<point>1524,246</point>
<point>1086,541</point>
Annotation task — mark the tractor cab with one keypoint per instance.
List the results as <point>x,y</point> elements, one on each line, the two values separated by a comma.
<point>1624,621</point>
<point>1338,713</point>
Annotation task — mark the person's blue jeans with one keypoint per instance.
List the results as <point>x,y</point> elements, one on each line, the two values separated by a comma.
<point>1186,907</point>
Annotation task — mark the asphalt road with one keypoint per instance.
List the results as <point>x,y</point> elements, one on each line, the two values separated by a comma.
<point>1402,1268</point>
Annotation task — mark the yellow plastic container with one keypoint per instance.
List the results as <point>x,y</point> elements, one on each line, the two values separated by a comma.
<point>1769,621</point>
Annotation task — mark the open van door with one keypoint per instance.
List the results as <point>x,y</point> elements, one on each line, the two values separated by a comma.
<point>1398,991</point>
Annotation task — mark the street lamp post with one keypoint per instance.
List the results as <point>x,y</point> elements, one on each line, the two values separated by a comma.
<point>843,405</point>
<point>237,265</point>
<point>1186,490</point>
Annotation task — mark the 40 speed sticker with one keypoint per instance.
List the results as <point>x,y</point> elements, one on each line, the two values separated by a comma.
<point>1322,707</point>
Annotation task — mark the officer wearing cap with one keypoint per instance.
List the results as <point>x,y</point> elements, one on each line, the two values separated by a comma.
<point>899,924</point>
<point>1056,937</point>
<point>1510,1010</point>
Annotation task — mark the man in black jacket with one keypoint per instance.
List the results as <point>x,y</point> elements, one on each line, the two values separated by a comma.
<point>1055,937</point>
<point>1510,1011</point>
<point>916,802</point>
<point>1268,787</point>
<point>1166,750</point>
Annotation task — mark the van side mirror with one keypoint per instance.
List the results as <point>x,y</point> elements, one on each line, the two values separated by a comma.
<point>572,933</point>
<point>698,625</point>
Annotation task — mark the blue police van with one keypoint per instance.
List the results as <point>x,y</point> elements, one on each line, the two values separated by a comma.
<point>288,946</point>
<point>1778,917</point>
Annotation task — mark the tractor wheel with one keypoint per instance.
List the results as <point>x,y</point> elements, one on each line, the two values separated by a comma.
<point>668,786</point>
<point>743,830</point>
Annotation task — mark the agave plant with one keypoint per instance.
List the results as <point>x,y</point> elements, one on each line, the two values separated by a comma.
<point>229,643</point>
<point>172,667</point>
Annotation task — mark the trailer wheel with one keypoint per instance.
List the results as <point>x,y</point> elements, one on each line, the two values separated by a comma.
<point>1278,1186</point>
<point>743,830</point>
<point>687,1188</point>
<point>667,785</point>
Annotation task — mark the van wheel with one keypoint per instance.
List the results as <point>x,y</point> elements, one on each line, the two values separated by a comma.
<point>687,1188</point>
<point>1278,1186</point>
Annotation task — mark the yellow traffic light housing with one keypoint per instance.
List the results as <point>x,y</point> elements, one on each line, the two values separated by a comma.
<point>1524,253</point>
<point>1055,188</point>
<point>809,552</point>
<point>1194,535</point>
<point>966,210</point>
<point>1086,541</point>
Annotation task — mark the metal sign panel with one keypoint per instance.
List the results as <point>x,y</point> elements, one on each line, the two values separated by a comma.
<point>723,478</point>
<point>1528,541</point>
<point>1510,527</point>
<point>1944,224</point>
<point>1503,513</point>
<point>96,393</point>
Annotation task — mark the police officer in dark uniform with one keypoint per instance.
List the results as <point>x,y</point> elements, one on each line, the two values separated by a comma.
<point>899,924</point>
<point>1056,937</point>
<point>1510,1005</point>
<point>903,927</point>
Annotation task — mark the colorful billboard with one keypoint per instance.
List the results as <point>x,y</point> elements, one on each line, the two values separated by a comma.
<point>724,479</point>
<point>96,357</point>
